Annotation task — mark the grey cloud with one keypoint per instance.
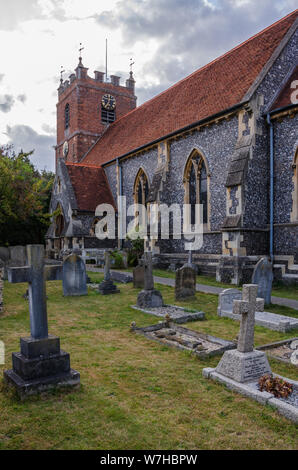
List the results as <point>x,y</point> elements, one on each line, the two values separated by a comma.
<point>48,129</point>
<point>14,12</point>
<point>190,33</point>
<point>6,103</point>
<point>1,76</point>
<point>25,138</point>
<point>22,98</point>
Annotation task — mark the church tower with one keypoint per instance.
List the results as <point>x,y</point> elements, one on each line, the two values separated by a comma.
<point>86,106</point>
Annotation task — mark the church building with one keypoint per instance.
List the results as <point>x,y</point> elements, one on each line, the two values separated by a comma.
<point>225,136</point>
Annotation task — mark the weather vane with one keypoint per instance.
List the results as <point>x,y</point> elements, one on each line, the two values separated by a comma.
<point>80,50</point>
<point>131,64</point>
<point>61,73</point>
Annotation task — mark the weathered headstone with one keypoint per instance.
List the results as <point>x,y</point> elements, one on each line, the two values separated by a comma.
<point>270,320</point>
<point>40,364</point>
<point>226,302</point>
<point>74,279</point>
<point>149,297</point>
<point>185,282</point>
<point>139,276</point>
<point>1,289</point>
<point>245,364</point>
<point>107,286</point>
<point>263,277</point>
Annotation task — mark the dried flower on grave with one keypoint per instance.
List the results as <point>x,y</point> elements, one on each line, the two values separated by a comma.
<point>275,385</point>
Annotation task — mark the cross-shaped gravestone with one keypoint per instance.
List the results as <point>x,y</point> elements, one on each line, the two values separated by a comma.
<point>107,286</point>
<point>148,274</point>
<point>41,364</point>
<point>36,274</point>
<point>246,308</point>
<point>107,266</point>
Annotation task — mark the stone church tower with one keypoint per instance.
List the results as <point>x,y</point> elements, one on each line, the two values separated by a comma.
<point>86,106</point>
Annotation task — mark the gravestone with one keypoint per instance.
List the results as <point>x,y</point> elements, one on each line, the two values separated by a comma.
<point>41,364</point>
<point>270,320</point>
<point>226,302</point>
<point>245,364</point>
<point>185,281</point>
<point>263,277</point>
<point>74,278</point>
<point>139,276</point>
<point>107,286</point>
<point>149,297</point>
<point>1,289</point>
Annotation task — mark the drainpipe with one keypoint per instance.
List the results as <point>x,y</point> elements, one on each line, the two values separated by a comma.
<point>271,147</point>
<point>119,209</point>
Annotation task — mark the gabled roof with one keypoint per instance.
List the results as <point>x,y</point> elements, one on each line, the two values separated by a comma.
<point>284,97</point>
<point>90,186</point>
<point>214,88</point>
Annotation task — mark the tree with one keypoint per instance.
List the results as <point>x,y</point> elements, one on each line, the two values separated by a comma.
<point>24,199</point>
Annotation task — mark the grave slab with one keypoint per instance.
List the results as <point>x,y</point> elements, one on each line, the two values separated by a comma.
<point>177,314</point>
<point>284,351</point>
<point>172,335</point>
<point>269,320</point>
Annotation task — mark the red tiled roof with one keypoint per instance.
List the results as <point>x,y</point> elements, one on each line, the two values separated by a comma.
<point>90,185</point>
<point>284,98</point>
<point>211,89</point>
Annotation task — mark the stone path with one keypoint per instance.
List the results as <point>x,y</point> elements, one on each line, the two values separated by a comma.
<point>212,289</point>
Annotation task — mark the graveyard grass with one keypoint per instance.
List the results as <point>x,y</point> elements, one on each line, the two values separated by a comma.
<point>135,393</point>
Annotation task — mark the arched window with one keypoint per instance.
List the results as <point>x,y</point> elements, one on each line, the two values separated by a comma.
<point>294,213</point>
<point>196,185</point>
<point>59,222</point>
<point>141,188</point>
<point>141,191</point>
<point>66,116</point>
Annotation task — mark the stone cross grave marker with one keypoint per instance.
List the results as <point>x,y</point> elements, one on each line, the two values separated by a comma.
<point>263,277</point>
<point>246,308</point>
<point>107,286</point>
<point>40,364</point>
<point>149,297</point>
<point>245,364</point>
<point>74,278</point>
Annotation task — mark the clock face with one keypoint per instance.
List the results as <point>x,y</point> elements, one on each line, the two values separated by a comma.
<point>108,102</point>
<point>65,148</point>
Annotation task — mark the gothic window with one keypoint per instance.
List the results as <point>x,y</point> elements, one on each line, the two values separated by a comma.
<point>66,116</point>
<point>141,188</point>
<point>196,185</point>
<point>141,191</point>
<point>59,225</point>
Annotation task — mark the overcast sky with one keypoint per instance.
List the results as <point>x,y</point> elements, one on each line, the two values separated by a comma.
<point>167,39</point>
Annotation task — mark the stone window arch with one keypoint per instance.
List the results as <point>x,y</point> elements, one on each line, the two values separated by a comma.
<point>141,188</point>
<point>294,213</point>
<point>141,192</point>
<point>196,185</point>
<point>66,116</point>
<point>59,222</point>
